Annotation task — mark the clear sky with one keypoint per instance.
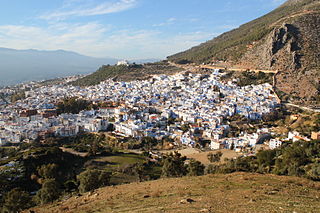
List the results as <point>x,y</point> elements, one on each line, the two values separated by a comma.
<point>127,29</point>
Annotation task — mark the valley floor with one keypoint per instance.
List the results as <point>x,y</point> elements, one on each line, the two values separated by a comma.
<point>237,192</point>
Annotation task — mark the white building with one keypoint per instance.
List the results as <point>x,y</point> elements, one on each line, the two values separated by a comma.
<point>274,143</point>
<point>123,62</point>
<point>215,145</point>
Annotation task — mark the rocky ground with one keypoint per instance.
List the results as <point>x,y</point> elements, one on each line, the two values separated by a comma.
<point>238,192</point>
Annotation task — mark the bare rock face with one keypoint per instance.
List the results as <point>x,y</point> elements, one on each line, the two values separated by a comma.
<point>284,42</point>
<point>294,49</point>
<point>286,39</point>
<point>301,79</point>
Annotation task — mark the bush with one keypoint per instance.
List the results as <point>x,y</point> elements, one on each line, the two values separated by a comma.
<point>49,171</point>
<point>313,171</point>
<point>92,179</point>
<point>49,192</point>
<point>298,159</point>
<point>16,200</point>
<point>173,165</point>
<point>73,105</point>
<point>195,168</point>
<point>214,157</point>
<point>212,169</point>
<point>266,160</point>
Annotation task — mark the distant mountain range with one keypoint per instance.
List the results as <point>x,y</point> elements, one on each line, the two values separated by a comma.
<point>27,65</point>
<point>286,39</point>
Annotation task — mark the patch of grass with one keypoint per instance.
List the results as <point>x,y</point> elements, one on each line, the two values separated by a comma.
<point>117,160</point>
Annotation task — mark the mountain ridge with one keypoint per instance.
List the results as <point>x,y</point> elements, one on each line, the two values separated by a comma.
<point>19,66</point>
<point>286,39</point>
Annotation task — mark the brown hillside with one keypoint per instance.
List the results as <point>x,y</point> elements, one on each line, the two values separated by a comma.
<point>286,39</point>
<point>238,192</point>
<point>293,49</point>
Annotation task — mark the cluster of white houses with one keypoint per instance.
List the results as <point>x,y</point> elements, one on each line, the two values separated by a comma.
<point>158,107</point>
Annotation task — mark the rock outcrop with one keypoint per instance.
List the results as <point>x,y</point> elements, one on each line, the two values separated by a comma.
<point>287,39</point>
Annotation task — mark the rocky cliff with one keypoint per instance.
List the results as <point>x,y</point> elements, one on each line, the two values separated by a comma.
<point>287,39</point>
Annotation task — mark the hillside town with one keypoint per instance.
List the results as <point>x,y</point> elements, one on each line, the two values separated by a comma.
<point>185,107</point>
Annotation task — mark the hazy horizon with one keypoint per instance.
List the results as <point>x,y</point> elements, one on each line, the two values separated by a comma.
<point>126,29</point>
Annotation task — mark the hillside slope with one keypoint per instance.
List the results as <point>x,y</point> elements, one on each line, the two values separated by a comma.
<point>127,73</point>
<point>238,192</point>
<point>287,39</point>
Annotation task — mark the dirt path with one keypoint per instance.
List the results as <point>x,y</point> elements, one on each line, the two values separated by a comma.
<point>302,107</point>
<point>72,151</point>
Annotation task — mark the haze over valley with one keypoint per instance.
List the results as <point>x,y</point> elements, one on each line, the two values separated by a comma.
<point>221,113</point>
<point>18,66</point>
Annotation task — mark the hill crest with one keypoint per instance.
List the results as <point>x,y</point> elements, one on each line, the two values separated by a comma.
<point>286,39</point>
<point>237,192</point>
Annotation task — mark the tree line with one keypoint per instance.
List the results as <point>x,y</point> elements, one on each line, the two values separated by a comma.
<point>53,173</point>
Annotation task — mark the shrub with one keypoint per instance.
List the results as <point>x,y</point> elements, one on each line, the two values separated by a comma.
<point>17,200</point>
<point>212,169</point>
<point>173,165</point>
<point>49,192</point>
<point>195,168</point>
<point>313,171</point>
<point>214,157</point>
<point>92,179</point>
<point>48,171</point>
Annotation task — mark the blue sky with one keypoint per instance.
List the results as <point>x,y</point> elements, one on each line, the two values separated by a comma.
<point>127,29</point>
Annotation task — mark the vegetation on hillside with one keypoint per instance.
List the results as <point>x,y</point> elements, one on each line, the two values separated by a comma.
<point>233,44</point>
<point>126,73</point>
<point>87,143</point>
<point>92,179</point>
<point>297,159</point>
<point>73,105</point>
<point>49,171</point>
<point>53,173</point>
<point>248,78</point>
<point>20,95</point>
<point>237,192</point>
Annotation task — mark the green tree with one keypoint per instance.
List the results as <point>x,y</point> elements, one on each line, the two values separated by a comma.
<point>16,200</point>
<point>313,171</point>
<point>293,159</point>
<point>141,170</point>
<point>73,105</point>
<point>266,160</point>
<point>148,143</point>
<point>49,192</point>
<point>92,179</point>
<point>195,168</point>
<point>232,146</point>
<point>17,96</point>
<point>174,165</point>
<point>48,171</point>
<point>96,144</point>
<point>214,157</point>
<point>212,169</point>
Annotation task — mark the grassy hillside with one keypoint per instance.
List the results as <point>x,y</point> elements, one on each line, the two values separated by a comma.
<point>238,192</point>
<point>232,45</point>
<point>126,73</point>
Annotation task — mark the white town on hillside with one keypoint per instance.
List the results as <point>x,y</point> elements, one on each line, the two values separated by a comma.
<point>144,108</point>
